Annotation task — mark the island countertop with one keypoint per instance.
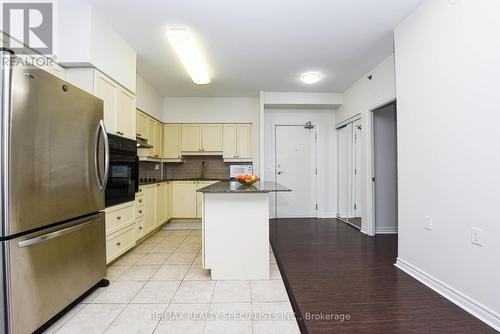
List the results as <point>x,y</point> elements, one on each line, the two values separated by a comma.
<point>235,187</point>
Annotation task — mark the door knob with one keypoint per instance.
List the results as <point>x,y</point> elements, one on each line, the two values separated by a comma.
<point>280,172</point>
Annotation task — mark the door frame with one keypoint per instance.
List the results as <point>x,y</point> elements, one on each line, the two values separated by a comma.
<point>316,133</point>
<point>372,225</point>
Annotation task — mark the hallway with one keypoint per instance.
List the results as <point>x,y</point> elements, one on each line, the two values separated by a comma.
<point>334,270</point>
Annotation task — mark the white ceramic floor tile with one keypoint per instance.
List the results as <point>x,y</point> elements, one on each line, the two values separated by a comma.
<point>119,292</point>
<point>180,327</point>
<point>115,271</point>
<point>93,319</point>
<point>137,319</point>
<point>65,318</point>
<point>93,295</point>
<point>153,259</point>
<point>279,318</point>
<point>232,291</point>
<point>142,248</point>
<point>171,272</point>
<point>194,292</point>
<point>182,258</point>
<point>157,292</point>
<point>128,259</point>
<point>269,291</point>
<point>138,273</point>
<point>164,248</point>
<point>187,312</point>
<point>274,271</point>
<point>197,273</point>
<point>153,240</point>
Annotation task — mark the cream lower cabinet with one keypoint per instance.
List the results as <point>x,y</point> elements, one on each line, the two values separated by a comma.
<point>120,230</point>
<point>184,199</point>
<point>149,207</point>
<point>199,197</point>
<point>162,207</point>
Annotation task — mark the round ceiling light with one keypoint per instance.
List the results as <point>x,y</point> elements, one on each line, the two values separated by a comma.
<point>311,77</point>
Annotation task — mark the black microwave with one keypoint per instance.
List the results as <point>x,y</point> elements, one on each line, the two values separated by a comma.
<point>123,178</point>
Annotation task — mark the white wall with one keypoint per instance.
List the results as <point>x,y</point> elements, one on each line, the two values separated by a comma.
<point>85,39</point>
<point>215,110</point>
<point>447,70</point>
<point>327,151</point>
<point>362,97</point>
<point>148,99</point>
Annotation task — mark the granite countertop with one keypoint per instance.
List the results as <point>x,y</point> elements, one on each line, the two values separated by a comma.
<point>235,187</point>
<point>180,179</point>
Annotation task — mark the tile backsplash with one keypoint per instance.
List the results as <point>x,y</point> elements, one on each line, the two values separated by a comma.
<point>215,168</point>
<point>148,169</point>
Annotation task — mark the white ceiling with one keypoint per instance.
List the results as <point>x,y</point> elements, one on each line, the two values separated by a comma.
<point>259,44</point>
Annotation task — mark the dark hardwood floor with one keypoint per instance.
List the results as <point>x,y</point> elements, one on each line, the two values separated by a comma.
<point>331,268</point>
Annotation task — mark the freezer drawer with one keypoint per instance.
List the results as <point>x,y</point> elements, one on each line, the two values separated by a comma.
<point>51,268</point>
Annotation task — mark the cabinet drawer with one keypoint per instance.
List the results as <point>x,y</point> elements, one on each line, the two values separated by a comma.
<point>139,212</point>
<point>139,228</point>
<point>119,242</point>
<point>118,218</point>
<point>139,201</point>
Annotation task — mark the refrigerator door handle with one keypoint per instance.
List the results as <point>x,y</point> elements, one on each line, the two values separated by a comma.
<point>101,182</point>
<point>52,235</point>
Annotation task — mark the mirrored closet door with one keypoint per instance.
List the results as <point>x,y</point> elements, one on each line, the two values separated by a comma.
<point>349,173</point>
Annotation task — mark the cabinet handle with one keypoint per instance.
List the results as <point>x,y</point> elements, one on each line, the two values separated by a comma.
<point>140,211</point>
<point>140,201</point>
<point>140,227</point>
<point>118,243</point>
<point>179,156</point>
<point>118,217</point>
<point>138,135</point>
<point>140,190</point>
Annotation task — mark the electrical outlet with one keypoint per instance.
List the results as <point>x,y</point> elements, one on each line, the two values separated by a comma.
<point>476,236</point>
<point>428,223</point>
<point>157,166</point>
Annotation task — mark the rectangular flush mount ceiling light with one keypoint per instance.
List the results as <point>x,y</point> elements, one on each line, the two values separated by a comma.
<point>188,52</point>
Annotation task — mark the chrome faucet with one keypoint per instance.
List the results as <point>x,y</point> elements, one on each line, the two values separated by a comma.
<point>203,168</point>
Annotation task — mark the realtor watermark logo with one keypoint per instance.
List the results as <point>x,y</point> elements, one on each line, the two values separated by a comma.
<point>28,26</point>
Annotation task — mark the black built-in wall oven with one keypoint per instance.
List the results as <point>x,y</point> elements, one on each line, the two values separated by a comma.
<point>123,179</point>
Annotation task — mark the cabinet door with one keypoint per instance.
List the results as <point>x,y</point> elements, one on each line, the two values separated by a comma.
<point>141,122</point>
<point>244,141</point>
<point>191,138</point>
<point>172,141</point>
<point>149,208</point>
<point>159,140</point>
<point>125,114</point>
<point>229,141</point>
<point>152,136</point>
<point>199,197</point>
<point>160,204</point>
<point>183,199</point>
<point>106,90</point>
<point>168,200</point>
<point>212,137</point>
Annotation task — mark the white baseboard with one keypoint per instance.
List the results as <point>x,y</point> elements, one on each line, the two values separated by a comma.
<point>386,230</point>
<point>327,215</point>
<point>470,305</point>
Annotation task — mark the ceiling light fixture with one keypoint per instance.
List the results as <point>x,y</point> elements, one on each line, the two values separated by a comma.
<point>311,77</point>
<point>189,54</point>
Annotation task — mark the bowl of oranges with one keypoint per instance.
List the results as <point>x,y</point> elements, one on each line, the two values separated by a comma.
<point>247,179</point>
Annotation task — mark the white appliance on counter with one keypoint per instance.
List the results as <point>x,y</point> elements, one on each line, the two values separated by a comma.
<point>235,170</point>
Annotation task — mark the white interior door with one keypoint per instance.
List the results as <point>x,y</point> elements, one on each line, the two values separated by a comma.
<point>295,168</point>
<point>356,172</point>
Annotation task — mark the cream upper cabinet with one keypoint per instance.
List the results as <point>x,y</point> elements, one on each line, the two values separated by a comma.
<point>149,199</point>
<point>244,141</point>
<point>125,115</point>
<point>158,140</point>
<point>152,137</point>
<point>237,139</point>
<point>106,90</point>
<point>141,122</point>
<point>172,141</point>
<point>183,199</point>
<point>119,105</point>
<point>161,211</point>
<point>191,138</point>
<point>212,137</point>
<point>229,141</point>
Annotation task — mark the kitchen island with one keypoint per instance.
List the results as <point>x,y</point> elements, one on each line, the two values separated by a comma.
<point>235,227</point>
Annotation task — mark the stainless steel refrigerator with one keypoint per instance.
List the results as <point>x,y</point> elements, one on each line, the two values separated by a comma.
<point>54,163</point>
